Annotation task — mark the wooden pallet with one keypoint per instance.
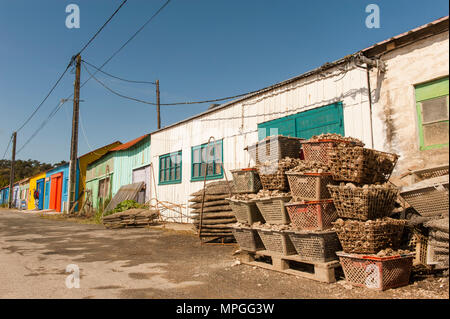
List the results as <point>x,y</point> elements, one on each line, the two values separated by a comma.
<point>323,271</point>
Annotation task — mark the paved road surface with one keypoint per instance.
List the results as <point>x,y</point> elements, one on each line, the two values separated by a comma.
<point>148,263</point>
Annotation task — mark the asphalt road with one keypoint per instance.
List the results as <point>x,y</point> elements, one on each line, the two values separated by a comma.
<point>149,263</point>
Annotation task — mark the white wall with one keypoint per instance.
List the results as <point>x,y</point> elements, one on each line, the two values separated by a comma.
<point>394,106</point>
<point>237,124</point>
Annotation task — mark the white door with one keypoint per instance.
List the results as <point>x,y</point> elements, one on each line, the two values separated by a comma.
<point>143,175</point>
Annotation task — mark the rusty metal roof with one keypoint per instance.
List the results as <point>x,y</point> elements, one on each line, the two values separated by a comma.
<point>129,144</point>
<point>410,36</point>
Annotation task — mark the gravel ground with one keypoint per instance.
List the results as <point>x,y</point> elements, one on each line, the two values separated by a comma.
<point>153,263</point>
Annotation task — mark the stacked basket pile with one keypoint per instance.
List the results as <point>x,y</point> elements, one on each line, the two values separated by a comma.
<point>370,240</point>
<point>246,184</point>
<point>262,216</point>
<point>311,211</point>
<point>217,216</point>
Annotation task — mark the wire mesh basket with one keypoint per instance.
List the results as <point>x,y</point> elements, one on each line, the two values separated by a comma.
<point>361,165</point>
<point>248,239</point>
<point>379,273</point>
<point>315,246</point>
<point>276,241</point>
<point>312,215</point>
<point>431,200</point>
<point>319,150</point>
<point>369,237</point>
<point>275,148</point>
<point>272,209</point>
<point>431,172</point>
<point>363,203</point>
<point>309,186</point>
<point>418,242</point>
<point>273,174</point>
<point>245,211</point>
<point>246,180</point>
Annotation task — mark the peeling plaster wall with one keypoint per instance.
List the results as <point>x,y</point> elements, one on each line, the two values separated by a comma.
<point>395,122</point>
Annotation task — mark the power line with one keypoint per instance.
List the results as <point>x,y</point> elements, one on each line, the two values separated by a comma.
<point>114,92</point>
<point>68,66</point>
<point>165,104</point>
<point>56,109</point>
<point>49,117</point>
<point>116,77</point>
<point>129,40</point>
<point>7,147</point>
<point>99,30</point>
<point>45,99</point>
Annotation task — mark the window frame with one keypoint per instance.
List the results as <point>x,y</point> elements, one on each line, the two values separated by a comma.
<point>163,158</point>
<point>428,91</point>
<point>214,162</point>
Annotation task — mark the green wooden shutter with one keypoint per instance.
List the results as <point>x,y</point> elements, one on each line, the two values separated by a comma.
<point>326,119</point>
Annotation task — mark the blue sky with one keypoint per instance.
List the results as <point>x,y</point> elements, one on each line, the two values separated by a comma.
<point>198,49</point>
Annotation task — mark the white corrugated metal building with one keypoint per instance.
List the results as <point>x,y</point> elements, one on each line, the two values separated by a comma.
<point>339,88</point>
<point>330,99</point>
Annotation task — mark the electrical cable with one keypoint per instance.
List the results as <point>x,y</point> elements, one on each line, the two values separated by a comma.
<point>114,92</point>
<point>99,30</point>
<point>7,147</point>
<point>55,110</point>
<point>45,99</point>
<point>163,104</point>
<point>129,40</point>
<point>49,117</point>
<point>68,66</point>
<point>116,77</point>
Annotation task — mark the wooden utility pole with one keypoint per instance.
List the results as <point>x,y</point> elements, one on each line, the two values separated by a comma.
<point>74,140</point>
<point>158,114</point>
<point>11,174</point>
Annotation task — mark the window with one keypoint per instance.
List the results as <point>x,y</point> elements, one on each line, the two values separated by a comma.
<point>432,101</point>
<point>207,158</point>
<point>170,168</point>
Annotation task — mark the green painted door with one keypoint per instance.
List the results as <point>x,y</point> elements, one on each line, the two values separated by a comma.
<point>326,119</point>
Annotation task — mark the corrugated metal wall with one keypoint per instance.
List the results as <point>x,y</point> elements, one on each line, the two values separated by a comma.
<point>127,160</point>
<point>96,171</point>
<point>237,124</point>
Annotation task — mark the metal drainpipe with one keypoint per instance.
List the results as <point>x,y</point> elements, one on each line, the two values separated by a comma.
<point>370,103</point>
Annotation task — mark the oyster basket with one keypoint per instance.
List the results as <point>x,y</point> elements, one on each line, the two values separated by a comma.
<point>319,150</point>
<point>370,237</point>
<point>246,180</point>
<point>245,211</point>
<point>380,273</point>
<point>272,209</point>
<point>275,148</point>
<point>363,203</point>
<point>276,241</point>
<point>361,165</point>
<point>315,246</point>
<point>428,200</point>
<point>273,177</point>
<point>313,215</point>
<point>248,239</point>
<point>309,186</point>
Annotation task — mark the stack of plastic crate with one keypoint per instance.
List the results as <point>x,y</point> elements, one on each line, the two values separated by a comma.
<point>370,240</point>
<point>246,183</point>
<point>311,212</point>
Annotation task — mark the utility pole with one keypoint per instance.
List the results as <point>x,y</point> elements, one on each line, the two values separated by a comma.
<point>157,105</point>
<point>11,175</point>
<point>74,140</point>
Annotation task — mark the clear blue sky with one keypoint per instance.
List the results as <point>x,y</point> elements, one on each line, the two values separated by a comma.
<point>198,49</point>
